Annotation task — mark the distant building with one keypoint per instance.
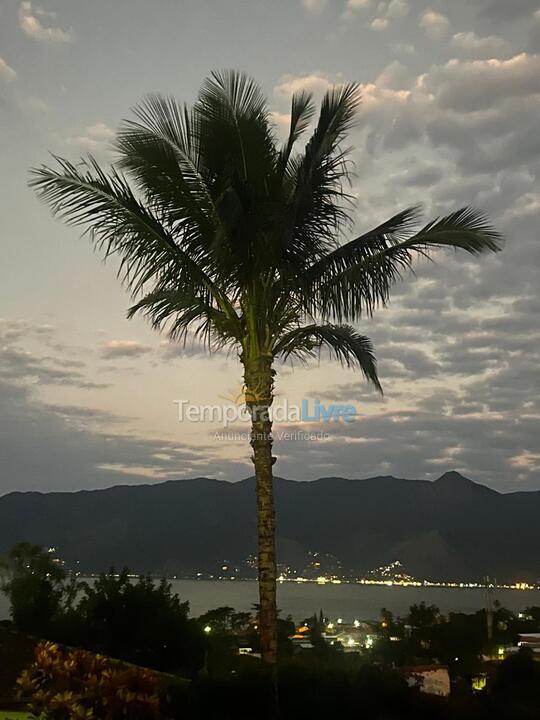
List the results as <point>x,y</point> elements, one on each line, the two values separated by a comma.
<point>301,638</point>
<point>429,679</point>
<point>479,682</point>
<point>249,652</point>
<point>530,640</point>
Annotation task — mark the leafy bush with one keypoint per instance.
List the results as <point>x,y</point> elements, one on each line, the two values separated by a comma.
<point>16,653</point>
<point>77,685</point>
<point>38,589</point>
<point>141,622</point>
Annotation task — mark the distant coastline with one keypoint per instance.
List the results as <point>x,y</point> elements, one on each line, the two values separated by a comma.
<point>348,600</point>
<point>449,585</point>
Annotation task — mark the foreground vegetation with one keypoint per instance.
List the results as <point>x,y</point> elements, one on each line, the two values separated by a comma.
<point>101,634</point>
<point>66,684</point>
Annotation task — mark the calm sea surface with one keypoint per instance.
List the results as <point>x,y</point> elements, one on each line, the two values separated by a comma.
<point>348,601</point>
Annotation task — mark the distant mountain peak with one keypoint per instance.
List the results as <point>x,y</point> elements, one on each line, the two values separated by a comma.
<point>453,477</point>
<point>458,485</point>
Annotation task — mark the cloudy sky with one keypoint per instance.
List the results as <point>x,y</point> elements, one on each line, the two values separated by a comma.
<point>449,117</point>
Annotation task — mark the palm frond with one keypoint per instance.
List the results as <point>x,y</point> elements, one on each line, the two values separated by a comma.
<point>337,116</point>
<point>302,113</point>
<point>236,139</point>
<point>466,229</point>
<point>319,203</point>
<point>342,341</point>
<point>237,144</point>
<point>393,230</point>
<point>160,151</point>
<point>357,278</point>
<point>119,224</point>
<point>178,311</point>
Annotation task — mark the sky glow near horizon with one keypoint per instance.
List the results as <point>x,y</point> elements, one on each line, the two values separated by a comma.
<point>451,100</point>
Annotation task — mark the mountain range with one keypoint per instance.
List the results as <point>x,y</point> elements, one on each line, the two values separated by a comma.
<point>450,528</point>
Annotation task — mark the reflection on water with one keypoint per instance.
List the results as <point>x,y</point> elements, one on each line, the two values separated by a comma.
<point>346,600</point>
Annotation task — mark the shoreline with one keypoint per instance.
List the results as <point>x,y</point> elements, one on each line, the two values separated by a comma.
<point>447,585</point>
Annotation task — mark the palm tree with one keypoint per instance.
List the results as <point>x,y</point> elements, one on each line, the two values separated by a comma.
<point>227,235</point>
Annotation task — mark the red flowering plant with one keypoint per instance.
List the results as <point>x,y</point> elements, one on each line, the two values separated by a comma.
<point>64,684</point>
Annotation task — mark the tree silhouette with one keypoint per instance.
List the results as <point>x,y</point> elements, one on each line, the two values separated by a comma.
<point>229,236</point>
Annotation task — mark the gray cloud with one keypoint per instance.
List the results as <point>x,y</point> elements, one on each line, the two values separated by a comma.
<point>123,349</point>
<point>17,365</point>
<point>434,23</point>
<point>420,444</point>
<point>477,85</point>
<point>7,73</point>
<point>345,392</point>
<point>411,362</point>
<point>388,12</point>
<point>502,11</point>
<point>425,176</point>
<point>470,43</point>
<point>483,111</point>
<point>193,348</point>
<point>37,23</point>
<point>64,448</point>
<point>534,33</point>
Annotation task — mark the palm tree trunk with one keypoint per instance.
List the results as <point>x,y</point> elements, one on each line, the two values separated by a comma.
<point>259,385</point>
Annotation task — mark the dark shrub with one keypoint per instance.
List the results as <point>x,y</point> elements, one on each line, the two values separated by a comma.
<point>64,684</point>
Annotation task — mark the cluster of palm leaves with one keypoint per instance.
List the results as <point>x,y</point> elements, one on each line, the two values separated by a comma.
<point>225,233</point>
